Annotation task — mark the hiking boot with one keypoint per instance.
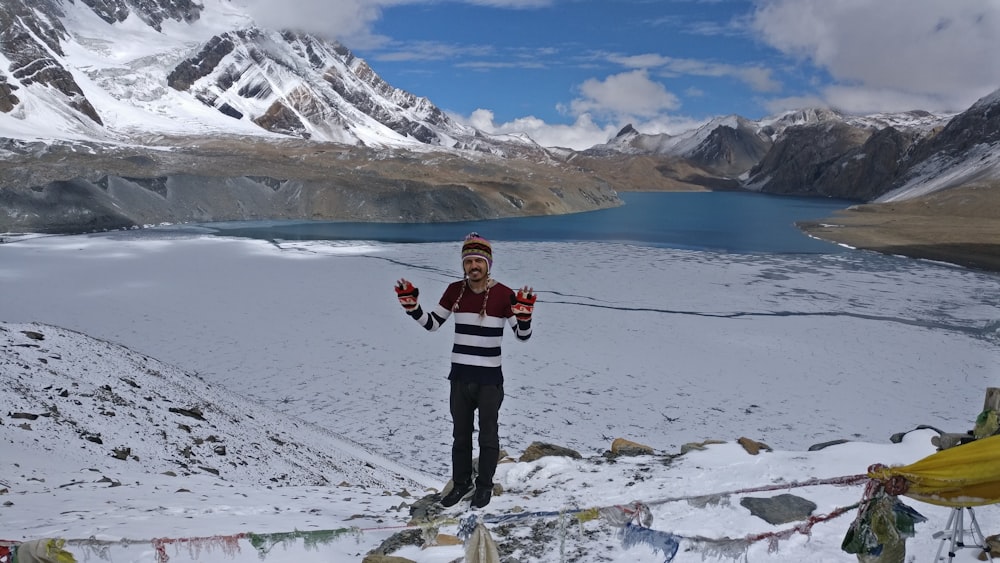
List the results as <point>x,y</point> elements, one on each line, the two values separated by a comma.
<point>458,493</point>
<point>482,496</point>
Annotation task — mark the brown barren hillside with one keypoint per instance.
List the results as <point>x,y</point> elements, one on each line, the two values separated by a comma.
<point>960,226</point>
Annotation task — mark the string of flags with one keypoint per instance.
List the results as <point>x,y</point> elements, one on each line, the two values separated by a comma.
<point>962,476</point>
<point>633,521</point>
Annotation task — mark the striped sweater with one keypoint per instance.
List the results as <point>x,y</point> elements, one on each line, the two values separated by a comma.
<point>475,356</point>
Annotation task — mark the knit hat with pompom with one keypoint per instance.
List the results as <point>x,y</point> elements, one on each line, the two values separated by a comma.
<point>476,245</point>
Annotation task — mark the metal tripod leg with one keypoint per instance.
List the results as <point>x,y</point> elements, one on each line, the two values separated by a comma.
<point>977,535</point>
<point>954,535</point>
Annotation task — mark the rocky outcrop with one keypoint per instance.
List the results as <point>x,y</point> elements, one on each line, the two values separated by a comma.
<point>731,151</point>
<point>153,12</point>
<point>202,64</point>
<point>8,100</point>
<point>864,172</point>
<point>538,450</point>
<point>801,156</point>
<point>966,151</point>
<point>33,46</point>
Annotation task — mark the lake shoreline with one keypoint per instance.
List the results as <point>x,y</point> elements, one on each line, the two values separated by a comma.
<point>954,240</point>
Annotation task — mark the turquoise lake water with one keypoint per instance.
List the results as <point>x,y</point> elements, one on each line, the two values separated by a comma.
<point>722,221</point>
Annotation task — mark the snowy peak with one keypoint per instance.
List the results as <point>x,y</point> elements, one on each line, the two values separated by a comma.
<point>731,146</point>
<point>774,125</point>
<point>727,146</point>
<point>823,152</point>
<point>97,69</point>
<point>298,85</point>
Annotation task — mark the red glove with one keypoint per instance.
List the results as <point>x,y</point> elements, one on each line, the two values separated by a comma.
<point>407,295</point>
<point>523,304</point>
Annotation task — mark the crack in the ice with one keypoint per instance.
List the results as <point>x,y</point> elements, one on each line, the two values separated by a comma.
<point>990,331</point>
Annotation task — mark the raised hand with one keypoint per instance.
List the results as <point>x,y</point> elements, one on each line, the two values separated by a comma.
<point>522,304</point>
<point>407,295</point>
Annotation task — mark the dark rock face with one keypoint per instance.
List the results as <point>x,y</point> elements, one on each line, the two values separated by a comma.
<point>19,22</point>
<point>21,29</point>
<point>279,118</point>
<point>974,130</point>
<point>802,155</point>
<point>153,12</point>
<point>111,11</point>
<point>202,64</point>
<point>7,98</point>
<point>834,159</point>
<point>863,173</point>
<point>731,151</point>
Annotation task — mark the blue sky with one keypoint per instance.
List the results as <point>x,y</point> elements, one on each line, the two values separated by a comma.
<point>573,72</point>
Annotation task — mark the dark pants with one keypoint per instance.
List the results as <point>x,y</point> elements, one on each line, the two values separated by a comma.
<point>465,399</point>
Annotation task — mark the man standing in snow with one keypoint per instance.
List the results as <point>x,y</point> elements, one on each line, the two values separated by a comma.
<point>482,307</point>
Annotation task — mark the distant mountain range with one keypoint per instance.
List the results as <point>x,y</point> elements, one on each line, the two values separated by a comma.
<point>117,113</point>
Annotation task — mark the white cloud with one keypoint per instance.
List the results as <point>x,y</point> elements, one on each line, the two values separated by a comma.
<point>581,134</point>
<point>791,103</point>
<point>758,78</point>
<point>891,54</point>
<point>348,21</point>
<point>626,94</point>
<point>604,107</point>
<point>434,51</point>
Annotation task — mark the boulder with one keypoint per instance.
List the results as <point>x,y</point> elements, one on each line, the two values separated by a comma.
<point>753,447</point>
<point>538,450</point>
<point>623,447</point>
<point>780,509</point>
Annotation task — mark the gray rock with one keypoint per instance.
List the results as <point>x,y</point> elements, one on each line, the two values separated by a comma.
<point>779,509</point>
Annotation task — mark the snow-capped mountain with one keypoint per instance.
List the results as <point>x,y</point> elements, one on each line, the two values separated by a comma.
<point>965,152</point>
<point>884,157</point>
<point>115,70</point>
<point>879,157</point>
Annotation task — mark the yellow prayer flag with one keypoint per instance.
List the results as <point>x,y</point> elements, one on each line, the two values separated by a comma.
<point>962,476</point>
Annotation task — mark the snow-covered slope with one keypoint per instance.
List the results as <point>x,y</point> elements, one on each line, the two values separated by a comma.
<point>89,405</point>
<point>965,151</point>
